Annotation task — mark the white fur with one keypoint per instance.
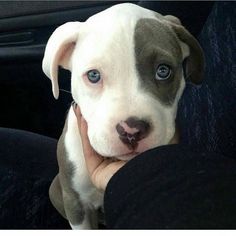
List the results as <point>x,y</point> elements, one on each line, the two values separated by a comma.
<point>106,42</point>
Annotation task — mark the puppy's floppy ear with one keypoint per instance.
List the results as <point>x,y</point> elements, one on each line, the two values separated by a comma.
<point>172,19</point>
<point>194,62</point>
<point>58,52</point>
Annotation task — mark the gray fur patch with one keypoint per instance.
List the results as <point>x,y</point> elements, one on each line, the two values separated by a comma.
<point>62,195</point>
<point>155,44</point>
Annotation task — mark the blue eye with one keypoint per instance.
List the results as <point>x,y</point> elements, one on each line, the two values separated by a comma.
<point>93,76</point>
<point>163,72</point>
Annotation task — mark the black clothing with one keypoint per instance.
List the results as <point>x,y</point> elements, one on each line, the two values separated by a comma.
<point>173,187</point>
<point>28,165</point>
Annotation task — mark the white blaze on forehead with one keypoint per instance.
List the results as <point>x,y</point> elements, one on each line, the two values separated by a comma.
<point>117,21</point>
<point>125,11</point>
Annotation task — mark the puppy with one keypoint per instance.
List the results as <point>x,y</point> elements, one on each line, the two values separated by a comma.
<point>127,68</point>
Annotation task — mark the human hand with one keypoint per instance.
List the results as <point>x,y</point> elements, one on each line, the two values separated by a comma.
<point>100,169</point>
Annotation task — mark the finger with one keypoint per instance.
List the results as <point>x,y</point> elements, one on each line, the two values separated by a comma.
<point>103,173</point>
<point>92,159</point>
<point>112,169</point>
<point>100,170</point>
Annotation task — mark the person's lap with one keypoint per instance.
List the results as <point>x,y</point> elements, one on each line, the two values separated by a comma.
<point>27,167</point>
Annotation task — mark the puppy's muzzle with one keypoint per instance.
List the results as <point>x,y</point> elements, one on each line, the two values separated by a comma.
<point>132,131</point>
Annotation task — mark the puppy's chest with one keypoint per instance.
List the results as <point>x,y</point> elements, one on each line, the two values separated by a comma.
<point>89,195</point>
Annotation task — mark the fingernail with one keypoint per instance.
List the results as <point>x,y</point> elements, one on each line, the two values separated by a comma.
<point>74,105</point>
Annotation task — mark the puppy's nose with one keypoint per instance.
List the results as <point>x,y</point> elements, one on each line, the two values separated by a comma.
<point>132,130</point>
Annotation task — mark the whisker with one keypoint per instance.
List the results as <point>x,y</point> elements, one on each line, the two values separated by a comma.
<point>63,90</point>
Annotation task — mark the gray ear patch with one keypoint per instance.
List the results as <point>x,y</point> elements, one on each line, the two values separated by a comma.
<point>172,19</point>
<point>194,63</point>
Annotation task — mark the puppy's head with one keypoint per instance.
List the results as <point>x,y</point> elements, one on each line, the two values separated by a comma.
<point>127,75</point>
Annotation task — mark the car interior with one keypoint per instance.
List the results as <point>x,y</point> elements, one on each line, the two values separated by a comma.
<point>206,114</point>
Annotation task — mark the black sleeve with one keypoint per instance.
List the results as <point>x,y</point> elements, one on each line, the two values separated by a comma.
<point>173,187</point>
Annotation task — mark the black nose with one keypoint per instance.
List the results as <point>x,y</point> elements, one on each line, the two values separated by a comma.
<point>132,130</point>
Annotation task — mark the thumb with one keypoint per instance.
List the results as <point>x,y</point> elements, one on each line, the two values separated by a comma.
<point>92,159</point>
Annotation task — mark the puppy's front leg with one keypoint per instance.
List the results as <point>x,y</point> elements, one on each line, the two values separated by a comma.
<point>90,220</point>
<point>79,215</point>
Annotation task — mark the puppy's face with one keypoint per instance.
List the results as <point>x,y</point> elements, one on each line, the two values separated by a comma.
<point>127,76</point>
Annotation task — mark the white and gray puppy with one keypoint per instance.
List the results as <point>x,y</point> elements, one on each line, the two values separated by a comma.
<point>127,77</point>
